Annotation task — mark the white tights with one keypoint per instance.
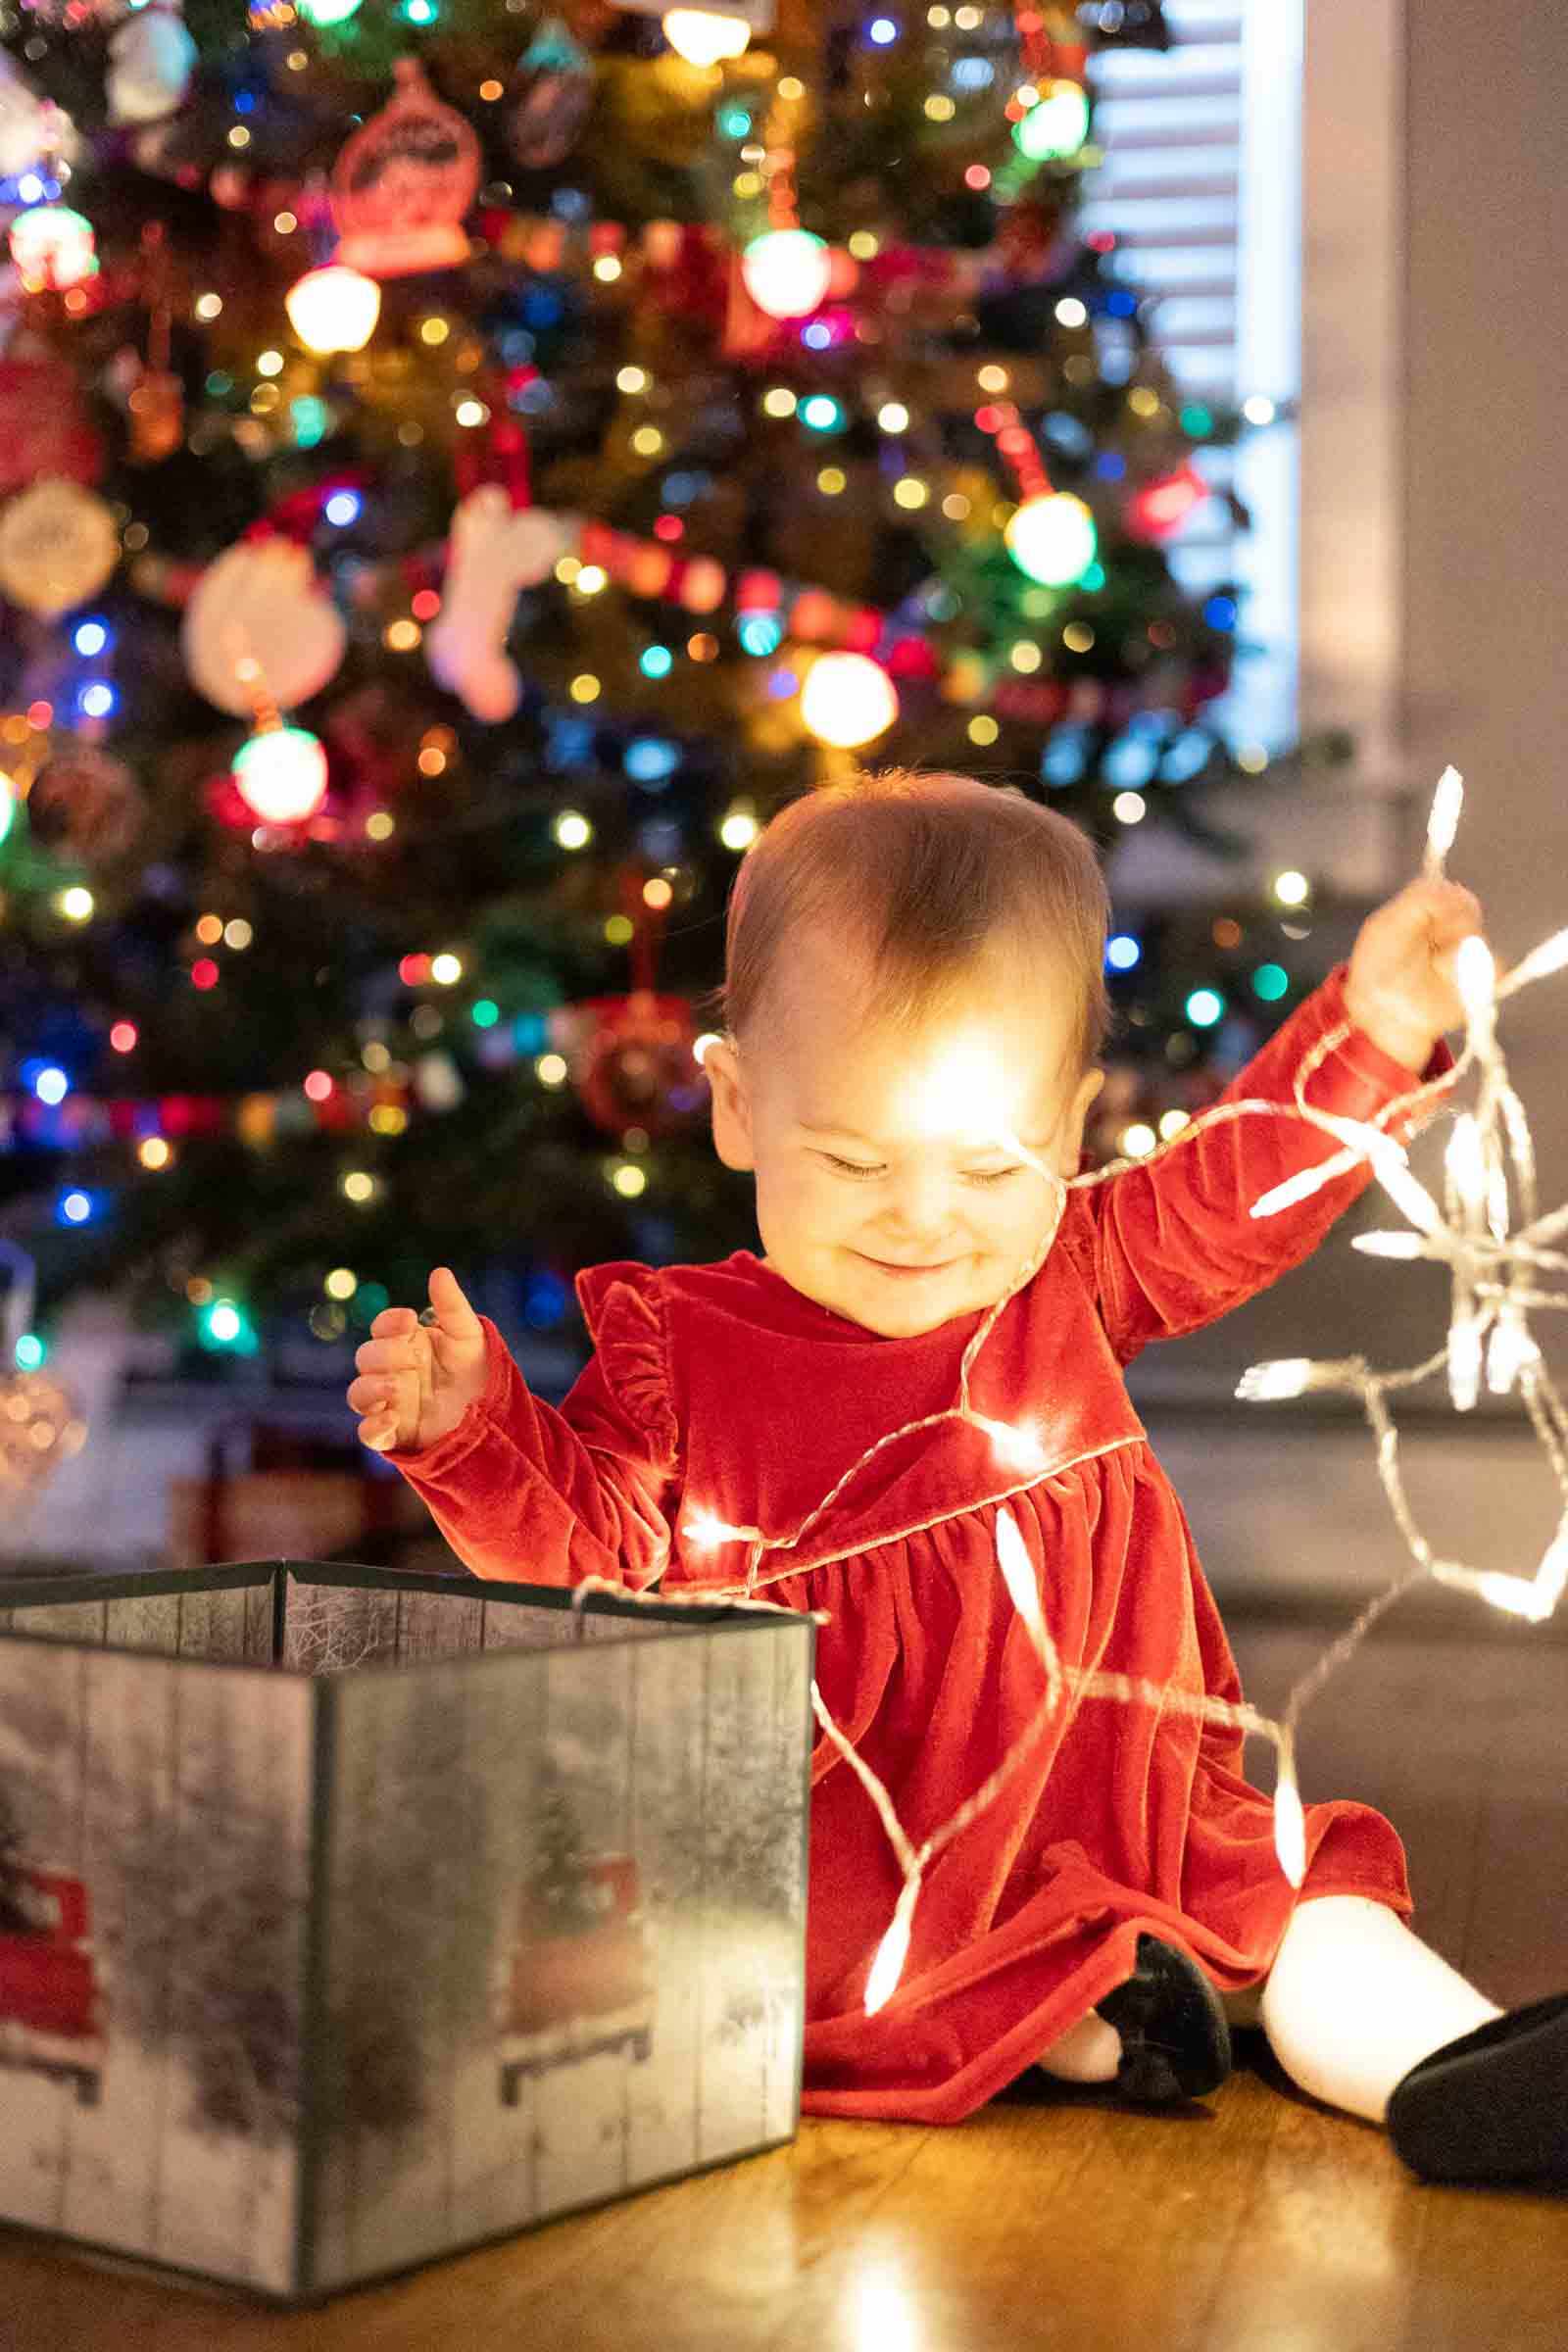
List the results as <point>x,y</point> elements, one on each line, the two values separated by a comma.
<point>1352,2002</point>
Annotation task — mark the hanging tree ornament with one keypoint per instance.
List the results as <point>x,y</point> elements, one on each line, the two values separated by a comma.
<point>403,183</point>
<point>155,397</point>
<point>59,544</point>
<point>151,59</point>
<point>493,550</point>
<point>550,100</point>
<point>51,246</point>
<point>85,805</point>
<point>45,428</point>
<point>786,270</point>
<point>638,1069</point>
<point>41,1423</point>
<point>29,123</point>
<point>261,599</point>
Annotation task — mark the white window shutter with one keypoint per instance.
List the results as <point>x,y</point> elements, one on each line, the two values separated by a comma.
<point>1200,187</point>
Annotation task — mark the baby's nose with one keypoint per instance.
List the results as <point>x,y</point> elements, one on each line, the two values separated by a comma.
<point>920,1208</point>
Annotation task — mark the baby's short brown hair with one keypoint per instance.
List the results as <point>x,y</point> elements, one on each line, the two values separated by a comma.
<point>931,871</point>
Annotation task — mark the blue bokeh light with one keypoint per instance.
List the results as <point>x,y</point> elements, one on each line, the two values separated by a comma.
<point>650,759</point>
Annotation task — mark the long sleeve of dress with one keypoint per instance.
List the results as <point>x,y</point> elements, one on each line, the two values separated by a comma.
<point>1168,1248</point>
<point>525,1491</point>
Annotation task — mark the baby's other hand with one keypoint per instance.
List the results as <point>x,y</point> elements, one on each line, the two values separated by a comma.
<point>1400,989</point>
<point>418,1376</point>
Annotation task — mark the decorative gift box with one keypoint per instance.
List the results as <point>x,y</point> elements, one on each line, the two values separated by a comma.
<point>348,1918</point>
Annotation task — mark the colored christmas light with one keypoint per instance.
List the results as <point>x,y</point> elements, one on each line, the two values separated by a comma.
<point>1056,127</point>
<point>787,272</point>
<point>848,701</point>
<point>333,308</point>
<point>1051,538</point>
<point>281,775</point>
<point>53,248</point>
<point>704,36</point>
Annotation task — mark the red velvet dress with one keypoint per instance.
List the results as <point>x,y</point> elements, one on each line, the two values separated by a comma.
<point>721,1387</point>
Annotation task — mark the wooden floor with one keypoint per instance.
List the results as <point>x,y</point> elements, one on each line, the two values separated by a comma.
<point>1255,2222</point>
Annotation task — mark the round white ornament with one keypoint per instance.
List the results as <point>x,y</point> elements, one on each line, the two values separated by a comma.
<point>58,545</point>
<point>27,122</point>
<point>259,619</point>
<point>152,57</point>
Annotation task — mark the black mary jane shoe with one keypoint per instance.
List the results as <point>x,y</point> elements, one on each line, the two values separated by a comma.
<point>1491,2106</point>
<point>1175,2041</point>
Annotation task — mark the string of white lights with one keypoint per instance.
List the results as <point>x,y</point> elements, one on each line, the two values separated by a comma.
<point>1496,1271</point>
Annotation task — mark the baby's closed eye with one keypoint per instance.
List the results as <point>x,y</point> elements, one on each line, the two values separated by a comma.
<point>860,1168</point>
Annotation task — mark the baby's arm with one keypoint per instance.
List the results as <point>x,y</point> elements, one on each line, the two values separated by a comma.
<point>519,1489</point>
<point>1173,1246</point>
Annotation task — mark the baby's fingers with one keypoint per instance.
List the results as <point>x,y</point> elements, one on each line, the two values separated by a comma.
<point>392,1355</point>
<point>1457,924</point>
<point>390,1409</point>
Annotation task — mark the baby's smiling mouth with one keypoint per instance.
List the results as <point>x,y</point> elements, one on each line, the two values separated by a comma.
<point>888,1265</point>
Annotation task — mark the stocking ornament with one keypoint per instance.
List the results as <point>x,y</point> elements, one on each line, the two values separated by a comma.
<point>494,550</point>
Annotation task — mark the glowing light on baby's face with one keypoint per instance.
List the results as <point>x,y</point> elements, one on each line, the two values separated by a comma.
<point>894,1176</point>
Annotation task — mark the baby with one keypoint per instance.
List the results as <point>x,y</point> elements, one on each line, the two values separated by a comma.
<point>914,1003</point>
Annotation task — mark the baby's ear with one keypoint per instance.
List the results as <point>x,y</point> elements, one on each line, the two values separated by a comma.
<point>1072,1133</point>
<point>732,1109</point>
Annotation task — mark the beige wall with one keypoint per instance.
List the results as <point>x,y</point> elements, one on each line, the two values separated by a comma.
<point>1486,481</point>
<point>1482,651</point>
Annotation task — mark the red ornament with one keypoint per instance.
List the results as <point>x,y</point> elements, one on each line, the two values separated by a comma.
<point>44,427</point>
<point>1160,508</point>
<point>85,803</point>
<point>404,182</point>
<point>639,1069</point>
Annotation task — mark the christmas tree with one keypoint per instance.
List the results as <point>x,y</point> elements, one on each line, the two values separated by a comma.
<point>466,463</point>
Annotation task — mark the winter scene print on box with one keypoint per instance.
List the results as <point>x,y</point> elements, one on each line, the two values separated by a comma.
<point>565,1929</point>
<point>154,1844</point>
<point>349,1917</point>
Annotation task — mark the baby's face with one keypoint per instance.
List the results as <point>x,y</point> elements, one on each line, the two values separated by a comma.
<point>881,1191</point>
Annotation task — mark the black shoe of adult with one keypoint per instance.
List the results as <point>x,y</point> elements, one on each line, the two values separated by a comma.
<point>1491,2106</point>
<point>1175,2041</point>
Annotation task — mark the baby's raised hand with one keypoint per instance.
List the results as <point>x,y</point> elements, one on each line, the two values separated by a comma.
<point>417,1377</point>
<point>1401,988</point>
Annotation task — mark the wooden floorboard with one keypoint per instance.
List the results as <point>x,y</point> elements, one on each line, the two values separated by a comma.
<point>1255,2221</point>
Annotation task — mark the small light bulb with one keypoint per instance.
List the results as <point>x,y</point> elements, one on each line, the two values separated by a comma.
<point>1282,1376</point>
<point>892,1952</point>
<point>1290,1824</point>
